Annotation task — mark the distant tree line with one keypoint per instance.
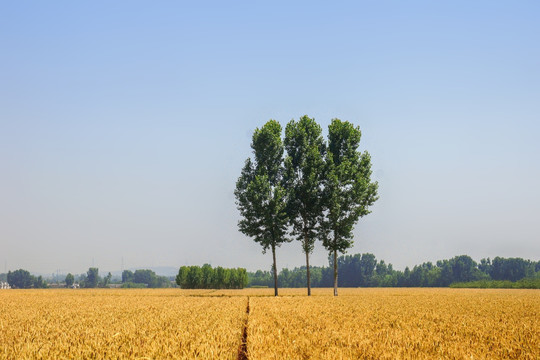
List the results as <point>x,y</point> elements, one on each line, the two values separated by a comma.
<point>22,279</point>
<point>363,270</point>
<point>92,279</point>
<point>206,277</point>
<point>525,283</point>
<point>144,278</point>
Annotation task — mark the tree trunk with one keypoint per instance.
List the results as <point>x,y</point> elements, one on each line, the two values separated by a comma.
<point>308,275</point>
<point>335,273</point>
<point>275,270</point>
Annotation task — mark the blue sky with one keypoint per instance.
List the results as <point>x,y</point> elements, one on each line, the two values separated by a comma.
<point>124,126</point>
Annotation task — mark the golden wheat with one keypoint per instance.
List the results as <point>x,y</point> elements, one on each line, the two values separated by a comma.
<point>109,324</point>
<point>208,324</point>
<point>397,324</point>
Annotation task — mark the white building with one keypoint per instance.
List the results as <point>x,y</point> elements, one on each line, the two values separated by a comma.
<point>4,285</point>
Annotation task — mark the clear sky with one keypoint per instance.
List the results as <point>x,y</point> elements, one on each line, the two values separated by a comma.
<point>124,125</point>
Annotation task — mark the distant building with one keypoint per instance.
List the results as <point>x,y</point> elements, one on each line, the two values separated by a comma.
<point>4,285</point>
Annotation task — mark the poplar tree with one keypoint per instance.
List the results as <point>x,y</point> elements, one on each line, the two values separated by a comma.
<point>303,174</point>
<point>261,195</point>
<point>70,279</point>
<point>348,189</point>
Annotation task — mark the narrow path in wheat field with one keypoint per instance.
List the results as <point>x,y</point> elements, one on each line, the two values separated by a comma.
<point>242,350</point>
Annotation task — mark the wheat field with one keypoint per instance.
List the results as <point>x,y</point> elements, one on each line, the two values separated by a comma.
<point>116,324</point>
<point>397,324</point>
<point>214,324</point>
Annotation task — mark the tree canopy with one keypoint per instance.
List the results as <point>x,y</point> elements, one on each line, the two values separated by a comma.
<point>206,277</point>
<point>260,192</point>
<point>70,279</point>
<point>22,279</point>
<point>144,278</point>
<point>348,191</point>
<point>92,278</point>
<point>318,191</point>
<point>304,166</point>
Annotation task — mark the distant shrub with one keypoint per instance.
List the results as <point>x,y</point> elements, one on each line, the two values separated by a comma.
<point>132,285</point>
<point>526,283</point>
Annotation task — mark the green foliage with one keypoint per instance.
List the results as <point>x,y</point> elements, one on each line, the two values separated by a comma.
<point>348,190</point>
<point>127,276</point>
<point>21,279</point>
<point>82,279</point>
<point>221,276</point>
<point>132,285</point>
<point>206,277</point>
<point>260,195</point>
<point>526,283</point>
<point>39,283</point>
<point>260,279</point>
<point>105,281</point>
<point>92,278</point>
<point>303,178</point>
<point>163,282</point>
<point>260,192</point>
<point>460,268</point>
<point>295,278</point>
<point>319,191</point>
<point>304,166</point>
<point>363,270</point>
<point>70,279</point>
<point>182,279</point>
<point>511,268</point>
<point>144,278</point>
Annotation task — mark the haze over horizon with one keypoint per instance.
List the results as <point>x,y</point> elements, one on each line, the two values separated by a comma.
<point>124,126</point>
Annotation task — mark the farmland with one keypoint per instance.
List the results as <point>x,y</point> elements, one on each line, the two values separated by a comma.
<point>360,323</point>
<point>127,324</point>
